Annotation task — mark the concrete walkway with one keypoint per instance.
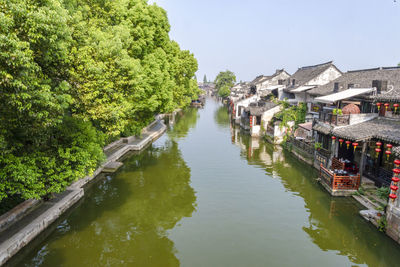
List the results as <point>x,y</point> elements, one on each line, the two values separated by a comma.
<point>22,225</point>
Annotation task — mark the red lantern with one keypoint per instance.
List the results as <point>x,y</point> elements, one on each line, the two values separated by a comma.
<point>396,172</point>
<point>333,139</point>
<point>397,163</point>
<point>348,144</point>
<point>396,106</point>
<point>341,142</point>
<point>392,197</point>
<point>387,105</point>
<point>378,144</point>
<point>395,180</point>
<point>379,106</point>
<point>394,188</point>
<point>388,153</point>
<point>378,150</point>
<point>355,146</point>
<point>389,146</point>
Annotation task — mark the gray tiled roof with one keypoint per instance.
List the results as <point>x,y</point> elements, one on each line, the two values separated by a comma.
<point>389,96</point>
<point>322,128</point>
<point>257,109</point>
<point>361,79</point>
<point>380,128</point>
<point>263,78</point>
<point>305,74</point>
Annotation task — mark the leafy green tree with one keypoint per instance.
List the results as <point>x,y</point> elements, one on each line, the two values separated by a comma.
<point>76,74</point>
<point>224,91</point>
<point>225,78</point>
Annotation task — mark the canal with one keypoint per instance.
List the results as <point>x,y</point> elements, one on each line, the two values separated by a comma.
<point>205,194</point>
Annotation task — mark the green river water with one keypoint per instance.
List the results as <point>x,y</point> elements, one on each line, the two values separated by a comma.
<point>205,194</point>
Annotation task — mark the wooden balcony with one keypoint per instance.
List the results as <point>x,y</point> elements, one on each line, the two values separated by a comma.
<point>339,185</point>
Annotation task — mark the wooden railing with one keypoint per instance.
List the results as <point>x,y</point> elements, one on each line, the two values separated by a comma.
<point>337,164</point>
<point>338,182</point>
<point>306,147</point>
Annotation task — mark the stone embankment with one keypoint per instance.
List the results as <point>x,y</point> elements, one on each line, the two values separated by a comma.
<point>22,224</point>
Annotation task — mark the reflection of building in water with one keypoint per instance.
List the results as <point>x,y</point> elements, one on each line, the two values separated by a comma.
<point>257,149</point>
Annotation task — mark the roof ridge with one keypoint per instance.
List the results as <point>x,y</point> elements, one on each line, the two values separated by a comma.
<point>318,65</point>
<point>372,69</point>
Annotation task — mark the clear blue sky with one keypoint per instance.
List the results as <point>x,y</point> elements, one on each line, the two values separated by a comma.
<point>256,37</point>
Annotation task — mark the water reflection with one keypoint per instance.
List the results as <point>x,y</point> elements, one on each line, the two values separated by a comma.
<point>124,219</point>
<point>221,117</point>
<point>333,223</point>
<point>186,121</point>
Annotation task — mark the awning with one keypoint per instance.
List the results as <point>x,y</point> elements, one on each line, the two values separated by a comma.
<point>303,88</point>
<point>349,93</point>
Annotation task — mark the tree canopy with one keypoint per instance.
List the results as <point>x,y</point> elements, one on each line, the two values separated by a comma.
<point>224,81</point>
<point>75,75</point>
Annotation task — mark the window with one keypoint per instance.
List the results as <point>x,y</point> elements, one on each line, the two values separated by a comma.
<point>293,82</point>
<point>258,120</point>
<point>350,85</point>
<point>336,88</point>
<point>381,86</point>
<point>280,82</point>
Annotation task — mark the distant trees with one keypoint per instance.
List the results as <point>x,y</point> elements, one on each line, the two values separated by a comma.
<point>224,81</point>
<point>75,75</point>
<point>205,79</point>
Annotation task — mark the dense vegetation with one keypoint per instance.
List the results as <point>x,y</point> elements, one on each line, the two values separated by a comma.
<point>223,82</point>
<point>75,75</point>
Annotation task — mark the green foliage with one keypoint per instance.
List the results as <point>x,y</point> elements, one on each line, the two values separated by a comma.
<point>361,190</point>
<point>74,74</point>
<point>224,91</point>
<point>225,79</point>
<point>383,192</point>
<point>317,145</point>
<point>291,113</point>
<point>337,111</point>
<point>205,79</point>
<point>382,224</point>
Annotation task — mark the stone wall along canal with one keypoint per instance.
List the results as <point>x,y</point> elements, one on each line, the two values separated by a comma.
<point>206,195</point>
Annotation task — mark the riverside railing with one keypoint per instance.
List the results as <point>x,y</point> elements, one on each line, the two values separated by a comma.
<point>339,182</point>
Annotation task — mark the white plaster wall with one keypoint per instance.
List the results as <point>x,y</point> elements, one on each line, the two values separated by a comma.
<point>327,76</point>
<point>274,81</point>
<point>268,115</point>
<point>358,118</point>
<point>255,130</point>
<point>244,103</point>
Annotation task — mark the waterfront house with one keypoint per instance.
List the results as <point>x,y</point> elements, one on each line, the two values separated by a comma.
<point>257,116</point>
<point>385,80</point>
<point>275,84</point>
<point>262,87</point>
<point>362,136</point>
<point>307,78</point>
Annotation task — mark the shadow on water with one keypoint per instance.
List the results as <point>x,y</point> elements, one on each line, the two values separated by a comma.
<point>124,218</point>
<point>333,223</point>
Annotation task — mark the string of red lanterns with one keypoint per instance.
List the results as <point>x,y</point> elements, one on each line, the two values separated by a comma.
<point>395,181</point>
<point>387,105</point>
